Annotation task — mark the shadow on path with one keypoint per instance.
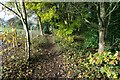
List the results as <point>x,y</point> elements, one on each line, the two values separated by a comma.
<point>48,64</point>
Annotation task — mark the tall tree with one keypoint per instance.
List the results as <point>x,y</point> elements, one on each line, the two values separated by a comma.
<point>44,12</point>
<point>104,16</point>
<point>22,15</point>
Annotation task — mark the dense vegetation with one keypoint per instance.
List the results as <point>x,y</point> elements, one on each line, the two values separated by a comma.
<point>61,40</point>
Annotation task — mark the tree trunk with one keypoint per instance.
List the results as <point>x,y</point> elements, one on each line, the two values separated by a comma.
<point>102,27</point>
<point>101,40</point>
<point>25,25</point>
<point>40,25</point>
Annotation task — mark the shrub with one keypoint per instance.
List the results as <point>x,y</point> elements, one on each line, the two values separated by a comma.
<point>63,38</point>
<point>102,65</point>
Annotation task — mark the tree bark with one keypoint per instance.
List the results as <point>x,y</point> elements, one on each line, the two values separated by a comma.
<point>40,25</point>
<point>102,27</point>
<point>101,40</point>
<point>25,25</point>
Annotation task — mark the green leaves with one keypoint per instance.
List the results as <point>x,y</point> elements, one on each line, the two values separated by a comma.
<point>47,16</point>
<point>110,73</point>
<point>91,37</point>
<point>106,63</point>
<point>45,10</point>
<point>68,32</point>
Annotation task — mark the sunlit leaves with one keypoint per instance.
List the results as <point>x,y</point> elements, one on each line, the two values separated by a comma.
<point>13,56</point>
<point>106,62</point>
<point>45,10</point>
<point>47,16</point>
<point>34,6</point>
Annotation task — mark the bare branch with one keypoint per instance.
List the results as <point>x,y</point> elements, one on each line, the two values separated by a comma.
<point>18,10</point>
<point>10,9</point>
<point>98,13</point>
<point>16,6</point>
<point>107,10</point>
<point>112,9</point>
<point>109,16</point>
<point>87,21</point>
<point>24,15</point>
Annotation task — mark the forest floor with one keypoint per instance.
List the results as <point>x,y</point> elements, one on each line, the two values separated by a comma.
<point>46,61</point>
<point>49,63</point>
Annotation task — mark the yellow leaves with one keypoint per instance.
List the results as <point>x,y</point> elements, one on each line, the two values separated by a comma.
<point>115,76</point>
<point>34,6</point>
<point>106,62</point>
<point>116,54</point>
<point>12,57</point>
<point>13,29</point>
<point>69,73</point>
<point>98,62</point>
<point>113,62</point>
<point>106,69</point>
<point>92,60</point>
<point>47,16</point>
<point>8,41</point>
<point>1,53</point>
<point>70,39</point>
<point>106,59</point>
<point>4,50</point>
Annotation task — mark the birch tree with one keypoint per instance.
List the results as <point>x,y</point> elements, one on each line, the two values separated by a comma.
<point>20,12</point>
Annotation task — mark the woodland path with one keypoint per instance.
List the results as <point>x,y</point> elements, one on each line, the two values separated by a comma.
<point>50,63</point>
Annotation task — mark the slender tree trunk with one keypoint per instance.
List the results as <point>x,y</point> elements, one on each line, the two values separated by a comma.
<point>40,25</point>
<point>102,27</point>
<point>25,25</point>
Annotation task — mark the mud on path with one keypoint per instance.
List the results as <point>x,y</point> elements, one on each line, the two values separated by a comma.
<point>49,63</point>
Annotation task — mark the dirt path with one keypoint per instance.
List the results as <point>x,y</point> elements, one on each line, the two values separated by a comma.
<point>50,63</point>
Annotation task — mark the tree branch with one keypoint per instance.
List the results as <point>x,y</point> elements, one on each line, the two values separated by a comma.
<point>24,11</point>
<point>10,9</point>
<point>18,10</point>
<point>16,6</point>
<point>112,9</point>
<point>98,13</point>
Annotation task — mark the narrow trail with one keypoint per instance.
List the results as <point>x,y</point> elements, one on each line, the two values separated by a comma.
<point>50,64</point>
